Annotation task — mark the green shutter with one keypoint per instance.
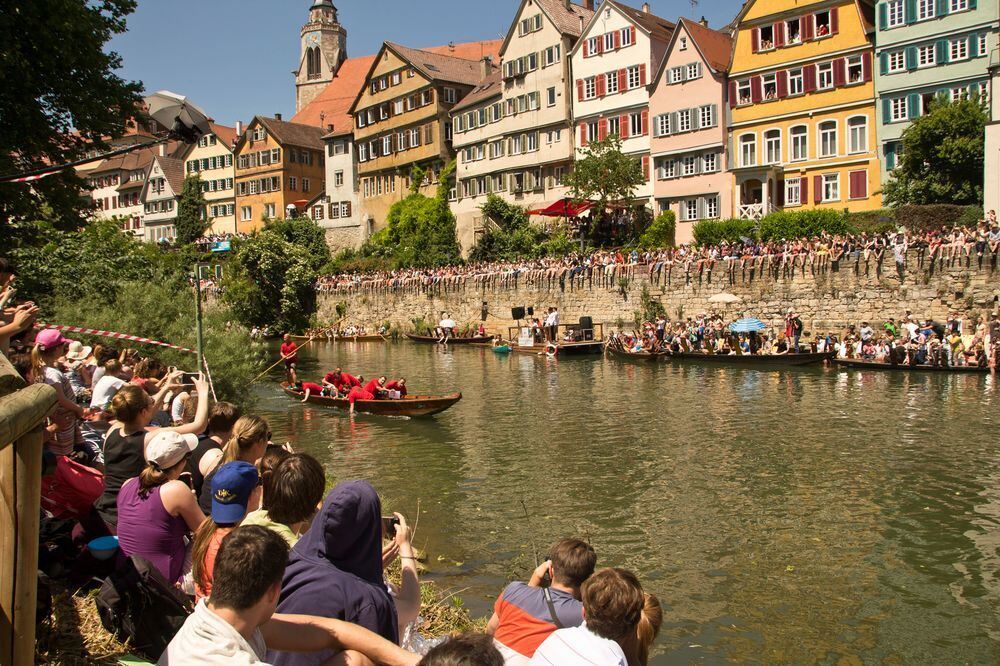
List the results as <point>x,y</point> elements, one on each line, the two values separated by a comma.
<point>913,106</point>
<point>890,156</point>
<point>974,47</point>
<point>942,52</point>
<point>886,111</point>
<point>884,63</point>
<point>972,4</point>
<point>911,11</point>
<point>941,8</point>
<point>883,20</point>
<point>911,58</point>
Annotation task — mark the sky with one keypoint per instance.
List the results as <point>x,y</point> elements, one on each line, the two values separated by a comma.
<point>234,58</point>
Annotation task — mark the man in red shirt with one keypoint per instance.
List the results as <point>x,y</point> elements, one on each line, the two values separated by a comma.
<point>341,381</point>
<point>358,393</point>
<point>376,387</point>
<point>398,385</point>
<point>310,388</point>
<point>290,354</point>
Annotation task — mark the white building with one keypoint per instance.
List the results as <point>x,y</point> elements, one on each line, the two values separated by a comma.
<point>336,209</point>
<point>160,195</point>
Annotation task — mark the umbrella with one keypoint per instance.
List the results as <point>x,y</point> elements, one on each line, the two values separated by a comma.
<point>447,323</point>
<point>179,114</point>
<point>725,298</point>
<point>747,325</point>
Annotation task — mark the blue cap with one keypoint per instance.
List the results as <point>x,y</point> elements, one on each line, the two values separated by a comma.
<point>232,486</point>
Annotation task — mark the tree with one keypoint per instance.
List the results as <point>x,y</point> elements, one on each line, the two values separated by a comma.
<point>303,232</point>
<point>661,233</point>
<point>60,98</point>
<point>605,174</point>
<point>942,158</point>
<point>192,220</point>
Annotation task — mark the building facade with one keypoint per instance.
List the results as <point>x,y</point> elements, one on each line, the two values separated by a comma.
<point>926,48</point>
<point>337,210</point>
<point>991,164</point>
<point>802,100</point>
<point>323,51</point>
<point>690,117</point>
<point>402,121</point>
<point>279,165</point>
<point>160,195</point>
<point>212,160</point>
<point>613,63</point>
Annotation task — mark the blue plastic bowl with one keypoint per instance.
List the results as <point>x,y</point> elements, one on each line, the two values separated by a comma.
<point>103,548</point>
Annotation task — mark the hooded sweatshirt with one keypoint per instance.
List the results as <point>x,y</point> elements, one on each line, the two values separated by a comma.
<point>335,570</point>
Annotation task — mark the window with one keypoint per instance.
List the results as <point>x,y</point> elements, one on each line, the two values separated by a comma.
<point>550,97</point>
<point>894,14</point>
<point>793,192</point>
<point>694,71</point>
<point>609,41</point>
<point>590,88</point>
<point>690,209</point>
<point>594,45</point>
<point>824,76</point>
<point>772,146</point>
<point>983,46</point>
<point>828,138</point>
<point>676,75</point>
<point>450,95</point>
<point>706,116</point>
<point>748,150</point>
<point>855,70</point>
<point>626,37</point>
<point>766,34</point>
<point>770,86</point>
<point>958,49</point>
<point>743,92</point>
<point>831,187</point>
<point>305,184</point>
<point>709,163</point>
<point>615,126</point>
<point>857,129</point>
<point>611,83</point>
<point>958,94</point>
<point>822,24</point>
<point>897,62</point>
<point>663,125</point>
<point>684,120</point>
<point>531,142</point>
<point>551,55</point>
<point>684,44</point>
<point>795,83</point>
<point>387,145</point>
<point>793,31</point>
<point>711,208</point>
<point>632,74</point>
<point>396,78</point>
<point>959,5</point>
<point>592,131</point>
<point>246,213</point>
<point>799,138</point>
<point>925,55</point>
<point>668,169</point>
<point>925,10</point>
<point>635,125</point>
<point>898,109</point>
<point>689,165</point>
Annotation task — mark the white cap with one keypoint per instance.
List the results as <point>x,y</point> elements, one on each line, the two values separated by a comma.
<point>167,448</point>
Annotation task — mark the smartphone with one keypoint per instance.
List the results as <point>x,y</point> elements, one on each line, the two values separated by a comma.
<point>187,379</point>
<point>389,524</point>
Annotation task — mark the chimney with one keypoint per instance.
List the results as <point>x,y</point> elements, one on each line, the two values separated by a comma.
<point>239,128</point>
<point>645,8</point>
<point>588,4</point>
<point>568,4</point>
<point>329,127</point>
<point>163,150</point>
<point>277,116</point>
<point>487,67</point>
<point>703,22</point>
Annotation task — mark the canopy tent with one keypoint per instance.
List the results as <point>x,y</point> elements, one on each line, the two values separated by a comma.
<point>564,208</point>
<point>748,325</point>
<point>725,298</point>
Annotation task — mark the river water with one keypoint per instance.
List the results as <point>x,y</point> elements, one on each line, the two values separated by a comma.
<point>793,516</point>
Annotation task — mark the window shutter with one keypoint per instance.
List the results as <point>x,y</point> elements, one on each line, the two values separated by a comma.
<point>809,78</point>
<point>347,212</point>
<point>974,46</point>
<point>631,28</point>
<point>972,4</point>
<point>755,89</point>
<point>600,46</point>
<point>602,129</point>
<point>839,72</point>
<point>579,90</point>
<point>618,39</point>
<point>429,134</point>
<point>779,34</point>
<point>883,16</point>
<point>913,106</point>
<point>645,122</point>
<point>600,83</point>
<point>699,69</point>
<point>806,27</point>
<point>834,21</point>
<point>586,48</point>
<point>622,80</point>
<point>755,37</point>
<point>886,111</point>
<point>714,112</point>
<point>645,166</point>
<point>583,134</point>
<point>782,84</point>
<point>911,12</point>
<point>732,94</point>
<point>817,189</point>
<point>695,119</point>
<point>701,208</point>
<point>941,8</point>
<point>942,51</point>
<point>626,128</point>
<point>642,74</point>
<point>675,122</point>
<point>804,189</point>
<point>683,73</point>
<point>883,64</point>
<point>911,58</point>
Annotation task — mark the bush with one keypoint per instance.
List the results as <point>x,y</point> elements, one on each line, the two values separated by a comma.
<point>713,232</point>
<point>933,217</point>
<point>353,261</point>
<point>872,221</point>
<point>801,224</point>
<point>661,233</point>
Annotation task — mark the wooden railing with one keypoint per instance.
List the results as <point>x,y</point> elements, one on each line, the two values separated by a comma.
<point>22,413</point>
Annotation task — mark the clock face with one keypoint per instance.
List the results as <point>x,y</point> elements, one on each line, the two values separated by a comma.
<point>313,39</point>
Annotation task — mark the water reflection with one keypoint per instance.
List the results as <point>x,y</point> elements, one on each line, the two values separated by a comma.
<point>793,516</point>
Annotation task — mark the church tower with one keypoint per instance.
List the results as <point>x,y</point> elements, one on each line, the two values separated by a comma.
<point>324,50</point>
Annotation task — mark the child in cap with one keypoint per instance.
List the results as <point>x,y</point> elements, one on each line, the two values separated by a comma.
<point>50,345</point>
<point>232,487</point>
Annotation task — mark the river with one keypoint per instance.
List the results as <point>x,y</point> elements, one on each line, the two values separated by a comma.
<point>791,516</point>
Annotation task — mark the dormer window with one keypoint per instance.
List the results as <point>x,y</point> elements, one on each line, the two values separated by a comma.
<point>793,31</point>
<point>766,38</point>
<point>684,44</point>
<point>822,23</point>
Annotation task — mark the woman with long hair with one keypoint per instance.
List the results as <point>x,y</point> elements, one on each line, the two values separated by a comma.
<point>247,443</point>
<point>50,346</point>
<point>637,650</point>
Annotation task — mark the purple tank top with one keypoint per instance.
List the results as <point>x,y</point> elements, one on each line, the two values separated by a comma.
<point>147,529</point>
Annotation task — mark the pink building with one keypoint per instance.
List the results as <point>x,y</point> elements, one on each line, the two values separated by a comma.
<point>689,119</point>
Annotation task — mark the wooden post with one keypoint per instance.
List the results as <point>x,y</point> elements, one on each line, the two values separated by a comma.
<point>22,413</point>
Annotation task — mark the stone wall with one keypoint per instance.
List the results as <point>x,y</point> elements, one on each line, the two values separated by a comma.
<point>826,300</point>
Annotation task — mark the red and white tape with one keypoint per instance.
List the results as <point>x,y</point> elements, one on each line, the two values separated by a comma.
<point>117,336</point>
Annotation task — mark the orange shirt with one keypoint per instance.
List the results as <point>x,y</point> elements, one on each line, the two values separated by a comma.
<point>208,565</point>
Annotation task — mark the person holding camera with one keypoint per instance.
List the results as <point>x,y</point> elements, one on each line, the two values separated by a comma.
<point>527,613</point>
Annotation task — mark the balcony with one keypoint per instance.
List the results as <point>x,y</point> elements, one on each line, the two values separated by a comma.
<point>756,211</point>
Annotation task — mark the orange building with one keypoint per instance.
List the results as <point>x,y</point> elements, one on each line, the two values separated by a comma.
<point>279,165</point>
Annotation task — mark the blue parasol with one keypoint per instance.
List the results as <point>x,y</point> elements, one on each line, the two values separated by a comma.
<point>748,325</point>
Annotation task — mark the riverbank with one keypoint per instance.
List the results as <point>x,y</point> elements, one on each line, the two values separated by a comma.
<point>826,300</point>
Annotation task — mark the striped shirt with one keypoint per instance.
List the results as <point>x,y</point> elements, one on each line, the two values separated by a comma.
<point>525,619</point>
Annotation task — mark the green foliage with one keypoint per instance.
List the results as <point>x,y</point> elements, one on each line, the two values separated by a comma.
<point>605,174</point>
<point>713,232</point>
<point>938,216</point>
<point>191,219</point>
<point>873,221</point>
<point>558,244</point>
<point>652,308</point>
<point>350,260</point>
<point>943,155</point>
<point>420,230</point>
<point>661,233</point>
<point>61,97</point>
<point>513,237</point>
<point>801,224</point>
<point>304,233</point>
<point>270,281</point>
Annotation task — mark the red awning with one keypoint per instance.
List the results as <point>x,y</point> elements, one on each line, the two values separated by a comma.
<point>564,208</point>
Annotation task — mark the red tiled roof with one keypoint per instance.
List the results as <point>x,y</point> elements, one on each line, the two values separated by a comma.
<point>658,28</point>
<point>173,171</point>
<point>441,67</point>
<point>716,47</point>
<point>566,20</point>
<point>139,158</point>
<point>490,87</point>
<point>297,134</point>
<point>331,106</point>
<point>226,135</point>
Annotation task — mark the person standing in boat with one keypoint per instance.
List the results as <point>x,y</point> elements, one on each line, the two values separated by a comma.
<point>290,355</point>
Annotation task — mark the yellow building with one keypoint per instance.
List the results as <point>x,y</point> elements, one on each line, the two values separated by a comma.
<point>212,159</point>
<point>802,105</point>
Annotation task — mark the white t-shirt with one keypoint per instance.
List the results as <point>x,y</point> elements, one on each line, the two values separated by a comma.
<point>105,389</point>
<point>578,646</point>
<point>206,638</point>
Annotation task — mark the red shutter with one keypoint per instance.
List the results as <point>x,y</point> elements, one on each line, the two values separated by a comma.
<point>755,39</point>
<point>602,129</point>
<point>732,94</point>
<point>839,72</point>
<point>866,66</point>
<point>645,122</point>
<point>779,34</point>
<point>618,39</point>
<point>834,21</point>
<point>601,85</point>
<point>642,74</point>
<point>809,78</point>
<point>817,189</point>
<point>626,129</point>
<point>622,80</point>
<point>804,190</point>
<point>600,46</point>
<point>755,90</point>
<point>583,134</point>
<point>586,48</point>
<point>858,184</point>
<point>631,29</point>
<point>782,84</point>
<point>579,89</point>
<point>807,27</point>
<point>645,166</point>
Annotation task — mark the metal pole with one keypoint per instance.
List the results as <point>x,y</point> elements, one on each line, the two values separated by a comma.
<point>200,342</point>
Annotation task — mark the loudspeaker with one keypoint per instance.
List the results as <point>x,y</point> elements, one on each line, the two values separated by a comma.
<point>531,311</point>
<point>587,328</point>
<point>517,313</point>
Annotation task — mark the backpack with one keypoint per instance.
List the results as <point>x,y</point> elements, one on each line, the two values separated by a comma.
<point>138,605</point>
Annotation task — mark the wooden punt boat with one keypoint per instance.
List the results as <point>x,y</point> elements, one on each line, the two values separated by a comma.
<point>411,405</point>
<point>431,340</point>
<point>751,361</point>
<point>861,364</point>
<point>638,357</point>
<point>342,338</point>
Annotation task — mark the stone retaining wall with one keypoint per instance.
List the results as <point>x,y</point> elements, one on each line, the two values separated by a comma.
<point>825,300</point>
